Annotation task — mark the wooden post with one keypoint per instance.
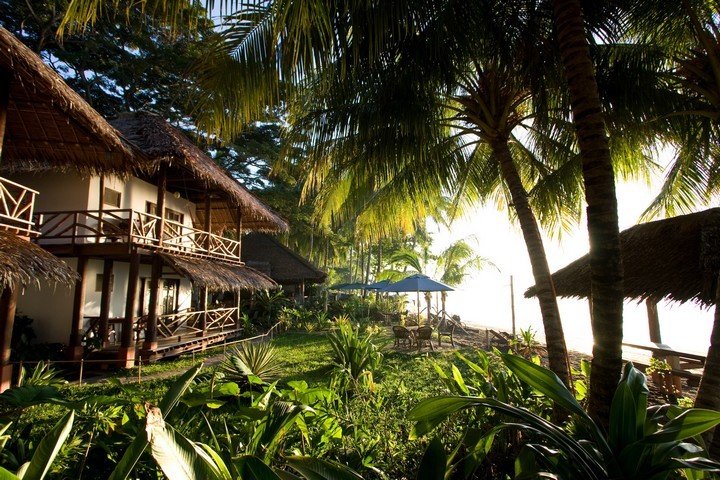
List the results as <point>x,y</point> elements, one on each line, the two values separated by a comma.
<point>105,298</point>
<point>208,220</point>
<point>75,350</point>
<point>512,304</point>
<point>101,205</point>
<point>8,302</point>
<point>127,346</point>
<point>150,343</point>
<point>238,231</point>
<point>5,80</point>
<point>653,320</point>
<point>204,308</point>
<point>160,212</point>
<point>238,305</point>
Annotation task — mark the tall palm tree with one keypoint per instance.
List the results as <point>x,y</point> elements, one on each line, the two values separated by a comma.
<point>301,38</point>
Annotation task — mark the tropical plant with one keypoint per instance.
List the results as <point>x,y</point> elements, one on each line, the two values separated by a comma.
<point>355,355</point>
<point>526,344</point>
<point>42,375</point>
<point>249,358</point>
<point>642,442</point>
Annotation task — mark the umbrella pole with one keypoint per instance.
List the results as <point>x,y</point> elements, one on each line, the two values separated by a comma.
<point>417,304</point>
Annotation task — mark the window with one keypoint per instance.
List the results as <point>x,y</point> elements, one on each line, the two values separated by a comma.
<point>99,282</point>
<point>111,197</point>
<point>170,214</point>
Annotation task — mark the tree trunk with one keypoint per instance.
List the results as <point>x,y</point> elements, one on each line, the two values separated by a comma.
<point>708,395</point>
<point>606,273</point>
<point>554,336</point>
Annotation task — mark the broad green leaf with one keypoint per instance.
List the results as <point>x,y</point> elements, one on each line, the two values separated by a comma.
<point>431,412</point>
<point>133,453</point>
<point>5,475</point>
<point>252,467</point>
<point>698,463</point>
<point>177,456</point>
<point>688,424</point>
<point>318,469</point>
<point>457,376</point>
<point>29,395</point>
<point>434,462</point>
<point>545,382</point>
<point>48,448</point>
<point>623,423</point>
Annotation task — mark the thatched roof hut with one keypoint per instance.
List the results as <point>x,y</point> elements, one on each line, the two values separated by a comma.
<point>48,125</point>
<point>23,263</point>
<point>195,174</point>
<point>218,275</point>
<point>677,259</point>
<point>279,262</point>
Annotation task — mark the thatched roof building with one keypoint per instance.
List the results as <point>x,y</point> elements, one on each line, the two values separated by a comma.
<point>196,174</point>
<point>22,263</point>
<point>677,259</point>
<point>286,267</point>
<point>219,276</point>
<point>48,125</point>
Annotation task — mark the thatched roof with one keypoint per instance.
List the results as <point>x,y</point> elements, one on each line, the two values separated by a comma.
<point>218,275</point>
<point>195,173</point>
<point>22,263</point>
<point>280,263</point>
<point>676,258</point>
<point>50,126</point>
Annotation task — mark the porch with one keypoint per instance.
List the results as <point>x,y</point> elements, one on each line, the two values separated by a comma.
<point>123,229</point>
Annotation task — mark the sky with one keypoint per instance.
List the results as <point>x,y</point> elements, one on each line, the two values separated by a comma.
<point>484,298</point>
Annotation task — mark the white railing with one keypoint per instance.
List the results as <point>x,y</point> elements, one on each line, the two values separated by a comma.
<point>16,207</point>
<point>131,226</point>
<point>189,323</point>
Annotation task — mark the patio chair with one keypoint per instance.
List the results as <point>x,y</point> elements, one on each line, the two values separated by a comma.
<point>424,335</point>
<point>402,336</point>
<point>447,329</point>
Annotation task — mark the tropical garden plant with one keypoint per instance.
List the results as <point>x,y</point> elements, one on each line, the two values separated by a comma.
<point>642,442</point>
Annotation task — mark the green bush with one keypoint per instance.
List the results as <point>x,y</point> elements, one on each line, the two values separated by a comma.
<point>256,359</point>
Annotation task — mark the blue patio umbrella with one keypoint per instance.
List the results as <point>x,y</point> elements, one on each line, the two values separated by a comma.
<point>349,286</point>
<point>418,283</point>
<point>378,285</point>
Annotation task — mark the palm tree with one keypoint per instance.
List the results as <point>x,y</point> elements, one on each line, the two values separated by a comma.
<point>302,38</point>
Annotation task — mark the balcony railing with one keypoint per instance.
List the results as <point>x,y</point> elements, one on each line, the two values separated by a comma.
<point>133,227</point>
<point>189,323</point>
<point>16,207</point>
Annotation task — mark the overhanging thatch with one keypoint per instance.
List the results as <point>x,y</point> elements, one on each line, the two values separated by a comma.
<point>676,258</point>
<point>48,125</point>
<point>163,143</point>
<point>218,275</point>
<point>22,263</point>
<point>279,262</point>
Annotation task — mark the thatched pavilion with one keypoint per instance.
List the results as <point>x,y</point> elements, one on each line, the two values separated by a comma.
<point>677,259</point>
<point>282,264</point>
<point>43,123</point>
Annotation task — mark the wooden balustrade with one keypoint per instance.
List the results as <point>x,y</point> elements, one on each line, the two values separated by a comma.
<point>16,208</point>
<point>131,226</point>
<point>186,324</point>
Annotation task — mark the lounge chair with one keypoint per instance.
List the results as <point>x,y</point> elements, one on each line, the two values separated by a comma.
<point>424,335</point>
<point>402,336</point>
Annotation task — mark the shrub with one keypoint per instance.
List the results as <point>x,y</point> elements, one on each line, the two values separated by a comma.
<point>355,355</point>
<point>258,359</point>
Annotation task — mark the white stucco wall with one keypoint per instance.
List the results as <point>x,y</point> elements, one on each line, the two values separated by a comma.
<point>51,307</point>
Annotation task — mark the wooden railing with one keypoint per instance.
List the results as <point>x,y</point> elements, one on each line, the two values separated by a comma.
<point>131,226</point>
<point>16,207</point>
<point>189,323</point>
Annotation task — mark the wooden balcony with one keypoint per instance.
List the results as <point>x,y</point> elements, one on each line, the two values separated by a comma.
<point>130,227</point>
<point>16,208</point>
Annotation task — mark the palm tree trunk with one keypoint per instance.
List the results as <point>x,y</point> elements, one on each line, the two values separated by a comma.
<point>554,336</point>
<point>606,273</point>
<point>708,395</point>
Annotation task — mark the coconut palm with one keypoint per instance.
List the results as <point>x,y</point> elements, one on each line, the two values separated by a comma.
<point>302,38</point>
